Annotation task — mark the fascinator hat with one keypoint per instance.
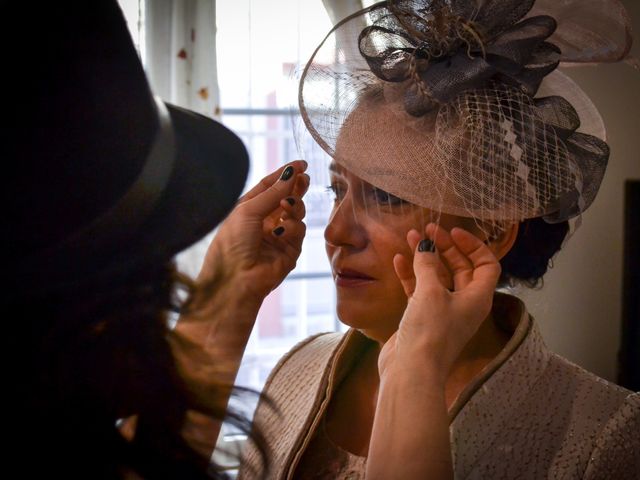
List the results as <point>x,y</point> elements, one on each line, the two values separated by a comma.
<point>457,106</point>
<point>101,175</point>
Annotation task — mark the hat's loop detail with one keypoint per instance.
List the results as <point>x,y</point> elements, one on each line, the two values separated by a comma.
<point>447,54</point>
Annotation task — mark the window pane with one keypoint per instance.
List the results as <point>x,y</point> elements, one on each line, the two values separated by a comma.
<point>259,47</point>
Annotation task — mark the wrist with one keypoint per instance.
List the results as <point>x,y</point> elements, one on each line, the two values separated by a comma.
<point>227,289</point>
<point>415,369</point>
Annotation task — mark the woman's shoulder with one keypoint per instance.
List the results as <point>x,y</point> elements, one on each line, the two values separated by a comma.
<point>289,400</point>
<point>588,388</point>
<point>313,353</point>
<point>617,447</point>
<point>564,420</point>
<point>601,416</point>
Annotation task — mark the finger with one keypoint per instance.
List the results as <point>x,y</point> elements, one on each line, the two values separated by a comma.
<point>288,237</point>
<point>403,264</point>
<point>426,268</point>
<point>404,271</point>
<point>413,239</point>
<point>266,201</point>
<point>302,185</point>
<point>293,207</point>
<point>290,230</point>
<point>303,181</point>
<point>459,266</point>
<point>268,181</point>
<point>446,278</point>
<point>486,267</point>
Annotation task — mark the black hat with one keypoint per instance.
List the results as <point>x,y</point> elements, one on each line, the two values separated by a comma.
<point>100,172</point>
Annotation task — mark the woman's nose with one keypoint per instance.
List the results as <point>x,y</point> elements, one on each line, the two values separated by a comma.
<point>345,227</point>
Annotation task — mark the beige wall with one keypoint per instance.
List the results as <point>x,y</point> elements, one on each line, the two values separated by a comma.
<point>579,307</point>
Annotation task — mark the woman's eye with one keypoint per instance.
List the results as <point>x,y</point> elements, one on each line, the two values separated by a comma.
<point>386,198</point>
<point>336,190</point>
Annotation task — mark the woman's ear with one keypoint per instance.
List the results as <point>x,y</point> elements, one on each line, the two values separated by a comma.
<point>501,242</point>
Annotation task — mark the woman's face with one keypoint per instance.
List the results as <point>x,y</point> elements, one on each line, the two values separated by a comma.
<point>367,228</point>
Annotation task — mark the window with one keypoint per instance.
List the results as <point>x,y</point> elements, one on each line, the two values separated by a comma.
<point>259,47</point>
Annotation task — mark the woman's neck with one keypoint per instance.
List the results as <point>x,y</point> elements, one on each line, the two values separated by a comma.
<point>485,345</point>
<point>350,414</point>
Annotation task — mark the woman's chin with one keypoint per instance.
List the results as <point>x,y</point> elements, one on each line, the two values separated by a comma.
<point>368,317</point>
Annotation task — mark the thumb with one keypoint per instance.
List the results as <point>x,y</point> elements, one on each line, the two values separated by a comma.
<point>268,200</point>
<point>426,267</point>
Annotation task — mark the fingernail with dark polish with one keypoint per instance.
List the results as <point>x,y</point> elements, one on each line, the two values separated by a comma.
<point>291,201</point>
<point>287,173</point>
<point>425,245</point>
<point>278,231</point>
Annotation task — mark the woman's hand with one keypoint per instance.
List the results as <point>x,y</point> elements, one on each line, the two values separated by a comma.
<point>410,436</point>
<point>255,248</point>
<point>261,239</point>
<point>439,322</point>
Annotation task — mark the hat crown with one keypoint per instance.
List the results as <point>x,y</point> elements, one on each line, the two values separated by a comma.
<point>83,121</point>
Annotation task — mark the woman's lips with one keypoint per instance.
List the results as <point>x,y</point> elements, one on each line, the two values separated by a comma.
<point>352,278</point>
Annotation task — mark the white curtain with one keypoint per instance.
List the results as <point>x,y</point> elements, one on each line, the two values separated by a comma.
<point>339,9</point>
<point>181,53</point>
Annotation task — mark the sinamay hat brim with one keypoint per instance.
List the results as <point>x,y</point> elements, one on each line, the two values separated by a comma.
<point>502,146</point>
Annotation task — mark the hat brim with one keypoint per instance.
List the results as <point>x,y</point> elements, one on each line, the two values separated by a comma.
<point>209,174</point>
<point>559,84</point>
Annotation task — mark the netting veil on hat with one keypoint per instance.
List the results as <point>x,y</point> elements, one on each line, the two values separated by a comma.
<point>457,106</point>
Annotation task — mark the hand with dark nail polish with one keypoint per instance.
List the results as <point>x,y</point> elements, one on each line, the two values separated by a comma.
<point>425,245</point>
<point>287,173</point>
<point>261,239</point>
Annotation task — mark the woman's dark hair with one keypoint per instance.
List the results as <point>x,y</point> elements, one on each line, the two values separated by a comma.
<point>531,254</point>
<point>91,355</point>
